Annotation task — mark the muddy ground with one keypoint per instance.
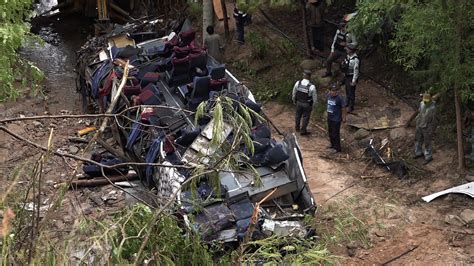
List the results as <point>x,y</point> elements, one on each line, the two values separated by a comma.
<point>393,218</point>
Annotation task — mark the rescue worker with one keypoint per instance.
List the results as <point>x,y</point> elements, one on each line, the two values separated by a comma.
<point>341,39</point>
<point>336,115</point>
<point>241,17</point>
<point>425,127</point>
<point>304,96</point>
<point>315,9</point>
<point>350,67</point>
<point>213,43</point>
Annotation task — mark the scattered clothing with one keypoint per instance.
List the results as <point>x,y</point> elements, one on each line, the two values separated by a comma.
<point>304,96</point>
<point>425,127</point>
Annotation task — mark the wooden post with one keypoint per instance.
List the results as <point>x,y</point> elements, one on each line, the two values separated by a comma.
<point>226,21</point>
<point>305,28</point>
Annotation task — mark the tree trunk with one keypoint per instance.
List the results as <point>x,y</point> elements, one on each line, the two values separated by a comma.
<point>226,21</point>
<point>457,98</point>
<point>305,28</point>
<point>460,140</point>
<point>207,16</point>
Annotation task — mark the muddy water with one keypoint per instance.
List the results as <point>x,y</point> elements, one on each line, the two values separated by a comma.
<point>56,57</point>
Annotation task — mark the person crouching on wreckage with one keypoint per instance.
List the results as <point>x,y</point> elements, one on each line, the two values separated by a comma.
<point>425,128</point>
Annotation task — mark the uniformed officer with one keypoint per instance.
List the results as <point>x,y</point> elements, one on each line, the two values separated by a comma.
<point>304,96</point>
<point>350,66</point>
<point>341,39</point>
<point>425,128</point>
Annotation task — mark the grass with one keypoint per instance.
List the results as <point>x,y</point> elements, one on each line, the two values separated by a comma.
<point>32,237</point>
<point>340,226</point>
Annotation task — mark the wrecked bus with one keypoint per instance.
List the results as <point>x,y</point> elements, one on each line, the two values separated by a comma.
<point>158,81</point>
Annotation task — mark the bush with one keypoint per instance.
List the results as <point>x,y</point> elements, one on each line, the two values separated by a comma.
<point>259,45</point>
<point>13,31</point>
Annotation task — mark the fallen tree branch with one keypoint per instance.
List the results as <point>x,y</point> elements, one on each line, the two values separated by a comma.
<point>116,98</point>
<point>75,157</point>
<point>399,256</point>
<point>101,181</point>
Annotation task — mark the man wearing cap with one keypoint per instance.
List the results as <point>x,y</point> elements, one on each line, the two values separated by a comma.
<point>336,115</point>
<point>425,127</point>
<point>341,39</point>
<point>304,96</point>
<point>315,10</point>
<point>350,67</point>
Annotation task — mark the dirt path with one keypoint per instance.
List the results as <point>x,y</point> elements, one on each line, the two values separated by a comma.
<point>396,219</point>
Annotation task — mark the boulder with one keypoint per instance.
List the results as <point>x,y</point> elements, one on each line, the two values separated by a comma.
<point>467,216</point>
<point>309,64</point>
<point>453,220</point>
<point>361,134</point>
<point>323,82</point>
<point>398,133</point>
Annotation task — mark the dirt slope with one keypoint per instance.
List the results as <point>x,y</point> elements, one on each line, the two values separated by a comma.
<point>396,218</point>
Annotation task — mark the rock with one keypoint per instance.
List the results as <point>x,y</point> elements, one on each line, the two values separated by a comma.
<point>322,82</point>
<point>351,249</point>
<point>453,220</point>
<point>398,133</point>
<point>73,149</point>
<point>467,216</point>
<point>59,224</point>
<point>309,64</point>
<point>361,134</point>
<point>37,123</point>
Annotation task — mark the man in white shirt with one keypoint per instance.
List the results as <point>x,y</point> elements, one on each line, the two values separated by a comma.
<point>304,96</point>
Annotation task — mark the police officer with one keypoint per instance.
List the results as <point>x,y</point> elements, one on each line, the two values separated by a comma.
<point>336,115</point>
<point>350,67</point>
<point>304,96</point>
<point>341,39</point>
<point>425,127</point>
<point>241,17</point>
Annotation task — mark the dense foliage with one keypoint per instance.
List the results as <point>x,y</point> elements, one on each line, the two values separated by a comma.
<point>13,30</point>
<point>428,38</point>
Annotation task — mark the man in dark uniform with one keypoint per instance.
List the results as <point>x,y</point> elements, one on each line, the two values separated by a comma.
<point>350,66</point>
<point>425,128</point>
<point>341,39</point>
<point>304,96</point>
<point>241,17</point>
<point>336,116</point>
<point>315,10</point>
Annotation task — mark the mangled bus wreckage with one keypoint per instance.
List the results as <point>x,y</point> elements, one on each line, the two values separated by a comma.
<point>169,77</point>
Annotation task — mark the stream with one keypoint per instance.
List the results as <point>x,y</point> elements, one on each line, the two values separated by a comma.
<point>55,55</point>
